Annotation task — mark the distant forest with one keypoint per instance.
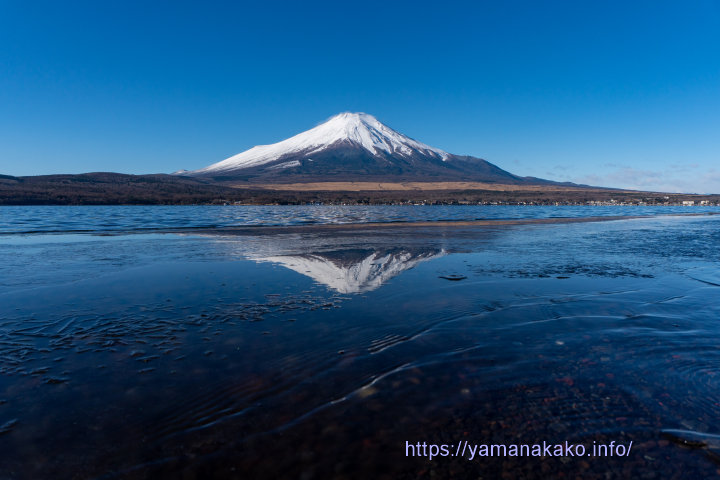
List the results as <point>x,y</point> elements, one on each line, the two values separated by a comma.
<point>121,189</point>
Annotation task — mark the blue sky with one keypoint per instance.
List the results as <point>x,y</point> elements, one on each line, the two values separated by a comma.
<point>622,94</point>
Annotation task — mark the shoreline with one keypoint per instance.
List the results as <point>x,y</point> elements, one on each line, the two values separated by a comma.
<point>311,227</point>
<point>268,229</point>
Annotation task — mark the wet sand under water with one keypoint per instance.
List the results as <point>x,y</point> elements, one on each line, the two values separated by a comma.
<point>319,352</point>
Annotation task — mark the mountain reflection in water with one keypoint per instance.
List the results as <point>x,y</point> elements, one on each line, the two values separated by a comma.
<point>353,271</point>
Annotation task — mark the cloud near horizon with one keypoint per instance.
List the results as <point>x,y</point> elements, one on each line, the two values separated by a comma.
<point>672,179</point>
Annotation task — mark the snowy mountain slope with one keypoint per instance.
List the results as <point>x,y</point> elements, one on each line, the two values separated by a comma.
<point>351,147</point>
<point>356,129</point>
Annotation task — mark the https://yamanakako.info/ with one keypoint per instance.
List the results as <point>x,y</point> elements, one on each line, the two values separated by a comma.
<point>470,451</point>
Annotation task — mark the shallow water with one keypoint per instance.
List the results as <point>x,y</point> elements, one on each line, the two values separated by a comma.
<point>318,354</point>
<point>109,219</point>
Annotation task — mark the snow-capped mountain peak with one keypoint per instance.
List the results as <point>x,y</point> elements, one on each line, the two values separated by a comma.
<point>355,129</point>
<point>350,147</point>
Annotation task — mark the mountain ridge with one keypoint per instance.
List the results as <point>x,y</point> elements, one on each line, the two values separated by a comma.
<point>350,147</point>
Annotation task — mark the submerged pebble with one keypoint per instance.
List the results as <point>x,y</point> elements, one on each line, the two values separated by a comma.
<point>453,278</point>
<point>8,426</point>
<point>56,380</point>
<point>148,359</point>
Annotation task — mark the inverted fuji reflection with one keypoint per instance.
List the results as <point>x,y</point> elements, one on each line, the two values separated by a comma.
<point>353,271</point>
<point>346,261</point>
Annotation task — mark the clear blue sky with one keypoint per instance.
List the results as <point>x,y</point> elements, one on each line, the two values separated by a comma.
<point>623,94</point>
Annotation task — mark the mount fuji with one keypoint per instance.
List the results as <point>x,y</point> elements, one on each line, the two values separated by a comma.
<point>353,147</point>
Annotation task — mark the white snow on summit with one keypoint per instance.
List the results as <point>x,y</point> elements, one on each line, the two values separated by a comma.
<point>360,129</point>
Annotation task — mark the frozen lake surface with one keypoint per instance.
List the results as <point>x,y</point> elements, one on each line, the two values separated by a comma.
<point>319,354</point>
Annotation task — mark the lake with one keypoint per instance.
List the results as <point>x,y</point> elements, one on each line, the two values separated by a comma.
<point>249,342</point>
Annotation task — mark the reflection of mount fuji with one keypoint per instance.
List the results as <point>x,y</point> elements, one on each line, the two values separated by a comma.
<point>354,271</point>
